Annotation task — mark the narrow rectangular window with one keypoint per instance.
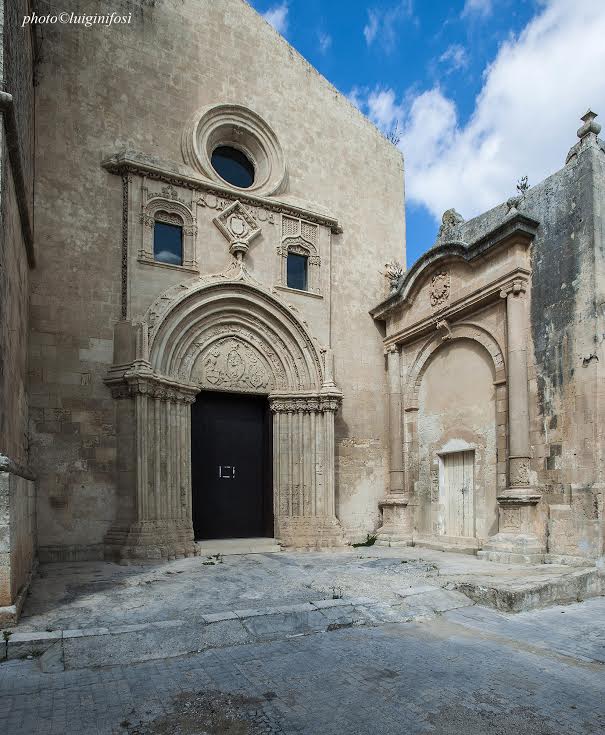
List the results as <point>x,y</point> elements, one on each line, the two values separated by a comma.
<point>297,271</point>
<point>168,243</point>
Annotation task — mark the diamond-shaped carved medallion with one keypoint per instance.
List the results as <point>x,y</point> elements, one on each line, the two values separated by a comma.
<point>238,227</point>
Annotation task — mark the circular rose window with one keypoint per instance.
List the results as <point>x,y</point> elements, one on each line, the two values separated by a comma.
<point>232,145</point>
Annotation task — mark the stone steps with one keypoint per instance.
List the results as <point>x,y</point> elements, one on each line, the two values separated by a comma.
<point>233,546</point>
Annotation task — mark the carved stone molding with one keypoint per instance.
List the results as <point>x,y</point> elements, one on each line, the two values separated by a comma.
<point>305,404</point>
<point>213,194</point>
<point>461,330</point>
<point>140,380</point>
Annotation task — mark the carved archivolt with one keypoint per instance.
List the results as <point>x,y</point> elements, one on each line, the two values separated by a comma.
<point>206,330</point>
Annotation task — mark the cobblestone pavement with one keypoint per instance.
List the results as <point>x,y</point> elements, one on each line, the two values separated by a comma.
<point>468,672</point>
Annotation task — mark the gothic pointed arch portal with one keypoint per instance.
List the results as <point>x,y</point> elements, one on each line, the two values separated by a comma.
<point>221,333</point>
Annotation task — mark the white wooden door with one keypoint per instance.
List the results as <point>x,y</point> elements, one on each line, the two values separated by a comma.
<point>458,484</point>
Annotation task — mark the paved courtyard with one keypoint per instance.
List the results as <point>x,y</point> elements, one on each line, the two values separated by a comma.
<point>470,671</point>
<point>91,594</point>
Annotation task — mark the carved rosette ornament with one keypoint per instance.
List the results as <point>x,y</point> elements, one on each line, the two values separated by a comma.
<point>440,290</point>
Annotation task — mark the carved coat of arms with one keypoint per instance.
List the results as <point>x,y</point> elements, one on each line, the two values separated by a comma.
<point>440,289</point>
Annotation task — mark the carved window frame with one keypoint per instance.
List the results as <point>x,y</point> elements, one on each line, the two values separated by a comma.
<point>161,209</point>
<point>294,241</point>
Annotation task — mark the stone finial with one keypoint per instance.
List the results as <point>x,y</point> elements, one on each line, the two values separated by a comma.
<point>449,223</point>
<point>590,126</point>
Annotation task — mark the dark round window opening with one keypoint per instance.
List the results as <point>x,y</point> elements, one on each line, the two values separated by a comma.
<point>233,166</point>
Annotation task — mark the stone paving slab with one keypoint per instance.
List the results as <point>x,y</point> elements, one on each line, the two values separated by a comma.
<point>438,678</point>
<point>124,644</point>
<point>102,594</point>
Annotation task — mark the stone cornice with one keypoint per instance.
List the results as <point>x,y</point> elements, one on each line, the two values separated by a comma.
<point>517,228</point>
<point>132,162</point>
<point>492,291</point>
<point>7,108</point>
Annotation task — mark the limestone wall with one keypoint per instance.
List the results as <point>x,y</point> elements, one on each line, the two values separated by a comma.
<point>17,517</point>
<point>136,86</point>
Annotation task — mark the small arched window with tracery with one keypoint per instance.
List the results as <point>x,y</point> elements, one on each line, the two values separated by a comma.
<point>168,238</point>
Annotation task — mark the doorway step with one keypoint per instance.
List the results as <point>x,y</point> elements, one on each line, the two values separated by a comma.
<point>229,546</point>
<point>457,544</point>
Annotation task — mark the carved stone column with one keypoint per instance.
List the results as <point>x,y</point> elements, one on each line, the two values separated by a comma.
<point>517,539</point>
<point>154,468</point>
<point>396,529</point>
<point>303,469</point>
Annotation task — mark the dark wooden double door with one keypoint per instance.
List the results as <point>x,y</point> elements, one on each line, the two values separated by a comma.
<point>231,460</point>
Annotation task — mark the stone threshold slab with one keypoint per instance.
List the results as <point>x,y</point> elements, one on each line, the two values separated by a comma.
<point>236,546</point>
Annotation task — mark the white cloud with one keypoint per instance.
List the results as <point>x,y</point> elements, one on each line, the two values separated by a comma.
<point>325,41</point>
<point>382,24</point>
<point>523,122</point>
<point>454,58</point>
<point>477,8</point>
<point>277,16</point>
<point>371,28</point>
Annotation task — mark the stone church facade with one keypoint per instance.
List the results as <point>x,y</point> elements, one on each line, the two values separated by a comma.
<point>198,339</point>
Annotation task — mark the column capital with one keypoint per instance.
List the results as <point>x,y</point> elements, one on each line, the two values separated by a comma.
<point>392,349</point>
<point>515,288</point>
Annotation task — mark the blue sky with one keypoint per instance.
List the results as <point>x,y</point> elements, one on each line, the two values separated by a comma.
<point>482,92</point>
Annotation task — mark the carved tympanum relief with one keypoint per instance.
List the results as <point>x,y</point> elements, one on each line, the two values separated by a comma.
<point>440,289</point>
<point>232,364</point>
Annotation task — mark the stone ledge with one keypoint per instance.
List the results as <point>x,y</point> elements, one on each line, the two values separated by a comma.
<point>106,646</point>
<point>519,597</point>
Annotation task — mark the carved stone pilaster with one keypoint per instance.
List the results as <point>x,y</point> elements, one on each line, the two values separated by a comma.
<point>303,469</point>
<point>154,439</point>
<point>518,537</point>
<point>396,528</point>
